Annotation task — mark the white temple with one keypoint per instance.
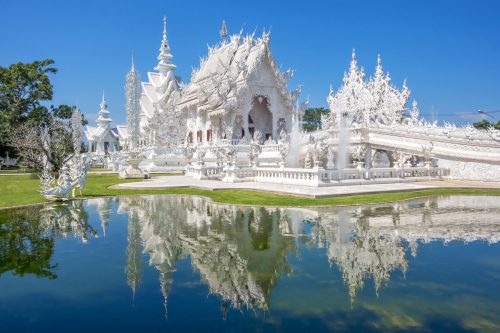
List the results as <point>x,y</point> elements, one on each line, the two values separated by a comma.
<point>237,90</point>
<point>103,139</point>
<point>236,120</point>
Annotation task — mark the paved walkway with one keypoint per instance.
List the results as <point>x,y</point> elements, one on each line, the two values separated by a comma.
<point>464,184</point>
<point>305,191</point>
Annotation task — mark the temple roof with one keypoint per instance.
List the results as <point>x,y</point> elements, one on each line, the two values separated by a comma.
<point>94,133</point>
<point>238,57</point>
<point>122,131</point>
<point>238,50</point>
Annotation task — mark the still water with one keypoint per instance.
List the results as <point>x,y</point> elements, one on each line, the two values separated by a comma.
<point>184,264</point>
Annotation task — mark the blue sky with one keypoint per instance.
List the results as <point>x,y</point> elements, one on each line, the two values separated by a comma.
<point>449,51</point>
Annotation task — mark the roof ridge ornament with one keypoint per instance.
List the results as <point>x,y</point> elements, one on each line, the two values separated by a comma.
<point>223,30</point>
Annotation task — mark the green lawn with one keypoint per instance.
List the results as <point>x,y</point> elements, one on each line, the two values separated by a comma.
<point>22,190</point>
<point>15,171</point>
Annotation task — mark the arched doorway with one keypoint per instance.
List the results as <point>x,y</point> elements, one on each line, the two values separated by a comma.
<point>261,116</point>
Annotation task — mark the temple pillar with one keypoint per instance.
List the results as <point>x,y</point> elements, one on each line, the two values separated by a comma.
<point>368,158</point>
<point>391,157</point>
<point>245,124</point>
<point>274,126</point>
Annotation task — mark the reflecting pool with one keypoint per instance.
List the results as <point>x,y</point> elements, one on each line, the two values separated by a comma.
<point>185,264</point>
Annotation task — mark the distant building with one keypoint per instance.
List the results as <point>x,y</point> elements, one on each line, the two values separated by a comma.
<point>102,139</point>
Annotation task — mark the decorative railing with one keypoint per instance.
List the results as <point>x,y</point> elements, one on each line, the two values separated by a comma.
<point>233,142</point>
<point>319,176</point>
<point>204,171</point>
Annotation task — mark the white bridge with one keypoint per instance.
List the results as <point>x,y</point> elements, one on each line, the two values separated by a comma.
<point>468,153</point>
<point>413,153</point>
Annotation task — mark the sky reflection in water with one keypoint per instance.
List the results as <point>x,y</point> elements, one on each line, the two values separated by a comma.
<point>156,263</point>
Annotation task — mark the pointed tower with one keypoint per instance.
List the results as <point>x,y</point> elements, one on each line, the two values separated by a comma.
<point>379,71</point>
<point>354,63</point>
<point>132,105</point>
<point>76,127</point>
<point>223,31</point>
<point>165,66</point>
<point>103,120</point>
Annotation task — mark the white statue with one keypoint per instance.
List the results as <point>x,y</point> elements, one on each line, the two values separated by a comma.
<point>72,176</point>
<point>8,161</point>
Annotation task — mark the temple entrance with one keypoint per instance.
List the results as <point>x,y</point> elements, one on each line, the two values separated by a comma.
<point>251,126</point>
<point>106,148</point>
<point>261,116</point>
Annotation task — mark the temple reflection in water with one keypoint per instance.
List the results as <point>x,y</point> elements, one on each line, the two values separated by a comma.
<point>240,252</point>
<point>274,261</point>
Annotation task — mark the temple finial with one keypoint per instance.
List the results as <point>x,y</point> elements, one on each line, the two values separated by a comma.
<point>165,57</point>
<point>354,64</point>
<point>103,105</point>
<point>103,118</point>
<point>164,41</point>
<point>223,30</point>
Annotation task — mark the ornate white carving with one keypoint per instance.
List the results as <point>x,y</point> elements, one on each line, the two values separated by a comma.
<point>72,176</point>
<point>462,170</point>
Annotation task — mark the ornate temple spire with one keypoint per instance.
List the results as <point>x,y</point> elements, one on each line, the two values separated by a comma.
<point>168,82</point>
<point>379,71</point>
<point>355,74</point>
<point>331,95</point>
<point>76,128</point>
<point>165,64</point>
<point>223,30</point>
<point>103,119</point>
<point>132,105</point>
<point>354,63</point>
<point>132,67</point>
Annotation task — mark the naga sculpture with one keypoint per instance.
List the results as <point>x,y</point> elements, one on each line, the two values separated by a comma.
<point>72,176</point>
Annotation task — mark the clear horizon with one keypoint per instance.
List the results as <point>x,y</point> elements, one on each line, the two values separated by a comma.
<point>447,51</point>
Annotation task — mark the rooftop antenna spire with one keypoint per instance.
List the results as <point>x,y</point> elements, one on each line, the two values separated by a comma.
<point>223,30</point>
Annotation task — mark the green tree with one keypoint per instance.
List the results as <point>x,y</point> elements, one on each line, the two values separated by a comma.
<point>23,86</point>
<point>25,247</point>
<point>482,124</point>
<point>312,118</point>
<point>485,124</point>
<point>47,134</point>
<point>27,127</point>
